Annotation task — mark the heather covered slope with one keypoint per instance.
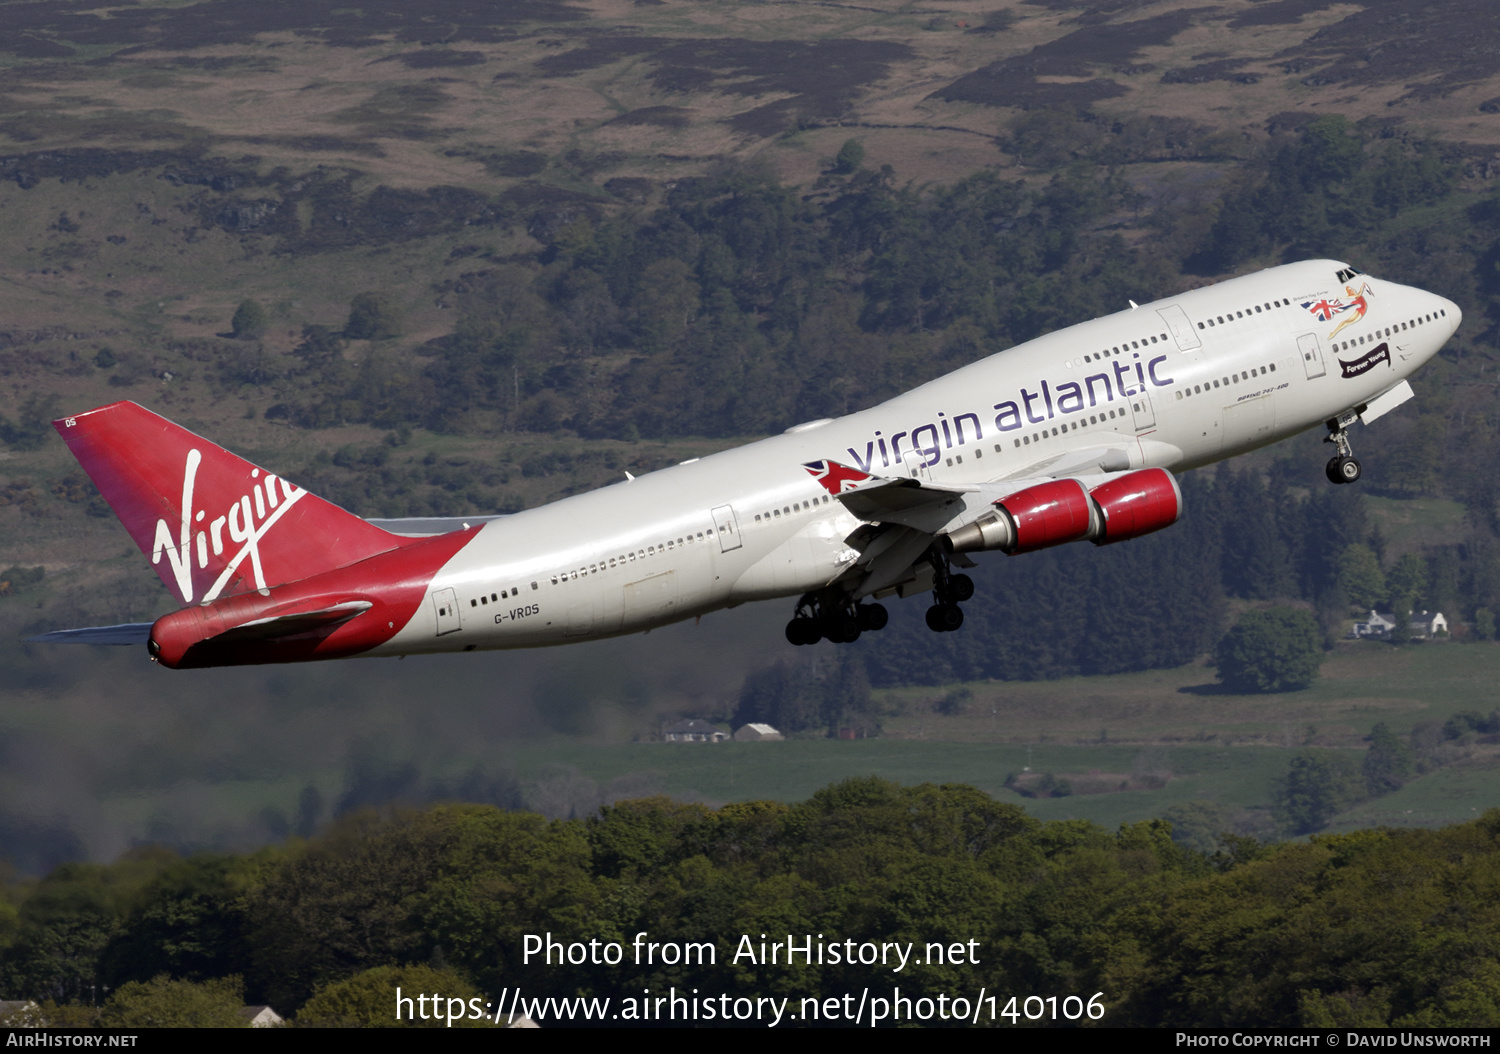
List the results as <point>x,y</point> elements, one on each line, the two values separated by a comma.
<point>504,252</point>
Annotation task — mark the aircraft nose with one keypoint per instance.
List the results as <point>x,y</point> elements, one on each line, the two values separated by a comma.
<point>1454,315</point>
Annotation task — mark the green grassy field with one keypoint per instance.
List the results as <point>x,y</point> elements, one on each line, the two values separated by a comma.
<point>1226,749</point>
<point>1361,684</point>
<point>210,758</point>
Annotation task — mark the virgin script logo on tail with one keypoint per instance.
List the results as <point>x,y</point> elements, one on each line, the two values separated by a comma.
<point>263,504</point>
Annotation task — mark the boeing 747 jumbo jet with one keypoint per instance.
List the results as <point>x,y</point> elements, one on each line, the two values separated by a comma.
<point>1073,436</point>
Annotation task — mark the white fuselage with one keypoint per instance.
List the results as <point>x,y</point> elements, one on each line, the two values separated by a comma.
<point>1174,384</point>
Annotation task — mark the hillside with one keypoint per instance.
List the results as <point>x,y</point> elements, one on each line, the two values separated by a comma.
<point>504,252</point>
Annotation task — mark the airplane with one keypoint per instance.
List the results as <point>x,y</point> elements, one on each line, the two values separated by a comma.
<point>1069,437</point>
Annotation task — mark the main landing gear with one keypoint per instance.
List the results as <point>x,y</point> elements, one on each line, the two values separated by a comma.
<point>1342,467</point>
<point>948,591</point>
<point>833,615</point>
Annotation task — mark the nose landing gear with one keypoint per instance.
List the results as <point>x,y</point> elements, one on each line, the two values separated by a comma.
<point>1342,467</point>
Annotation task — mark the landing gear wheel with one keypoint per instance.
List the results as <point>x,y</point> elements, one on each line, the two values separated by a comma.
<point>802,631</point>
<point>842,629</point>
<point>944,618</point>
<point>960,588</point>
<point>1342,468</point>
<point>872,616</point>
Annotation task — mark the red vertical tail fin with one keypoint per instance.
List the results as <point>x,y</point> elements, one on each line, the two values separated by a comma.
<point>212,523</point>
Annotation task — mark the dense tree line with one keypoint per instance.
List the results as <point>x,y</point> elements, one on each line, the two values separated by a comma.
<point>1154,602</point>
<point>738,305</point>
<point>1169,935</point>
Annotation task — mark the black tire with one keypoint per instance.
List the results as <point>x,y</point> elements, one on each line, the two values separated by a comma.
<point>802,631</point>
<point>872,616</point>
<point>944,618</point>
<point>1349,470</point>
<point>842,629</point>
<point>960,588</point>
<point>1332,470</point>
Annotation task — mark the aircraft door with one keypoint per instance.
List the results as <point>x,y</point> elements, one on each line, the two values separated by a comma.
<point>445,607</point>
<point>1182,329</point>
<point>1143,412</point>
<point>727,527</point>
<point>1312,355</point>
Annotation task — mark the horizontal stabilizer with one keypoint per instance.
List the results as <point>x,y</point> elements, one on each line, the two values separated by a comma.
<point>428,526</point>
<point>290,625</point>
<point>125,633</point>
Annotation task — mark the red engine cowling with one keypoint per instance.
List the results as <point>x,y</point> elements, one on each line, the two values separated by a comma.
<point>1049,514</point>
<point>1137,504</point>
<point>1064,511</point>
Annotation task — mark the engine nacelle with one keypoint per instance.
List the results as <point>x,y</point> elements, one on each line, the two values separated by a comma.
<point>1137,504</point>
<point>1064,511</point>
<point>1045,515</point>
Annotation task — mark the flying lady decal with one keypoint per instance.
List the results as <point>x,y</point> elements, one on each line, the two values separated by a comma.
<point>1355,306</point>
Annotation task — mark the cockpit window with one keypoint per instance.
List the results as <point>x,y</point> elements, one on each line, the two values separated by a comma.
<point>1348,274</point>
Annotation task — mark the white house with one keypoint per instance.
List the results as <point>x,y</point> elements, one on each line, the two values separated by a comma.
<point>694,731</point>
<point>1428,623</point>
<point>1424,624</point>
<point>1377,625</point>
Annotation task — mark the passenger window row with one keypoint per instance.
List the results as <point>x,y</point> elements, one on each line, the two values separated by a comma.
<point>1254,309</point>
<point>631,557</point>
<point>1073,426</point>
<point>787,510</point>
<point>1233,378</point>
<point>1110,353</point>
<point>495,598</point>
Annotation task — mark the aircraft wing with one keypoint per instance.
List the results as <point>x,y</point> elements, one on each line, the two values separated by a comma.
<point>904,516</point>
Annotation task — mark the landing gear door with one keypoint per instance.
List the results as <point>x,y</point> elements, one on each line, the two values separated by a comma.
<point>445,607</point>
<point>728,528</point>
<point>1312,355</point>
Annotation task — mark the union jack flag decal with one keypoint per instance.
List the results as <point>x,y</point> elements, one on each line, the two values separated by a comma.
<point>1323,310</point>
<point>1326,309</point>
<point>836,479</point>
